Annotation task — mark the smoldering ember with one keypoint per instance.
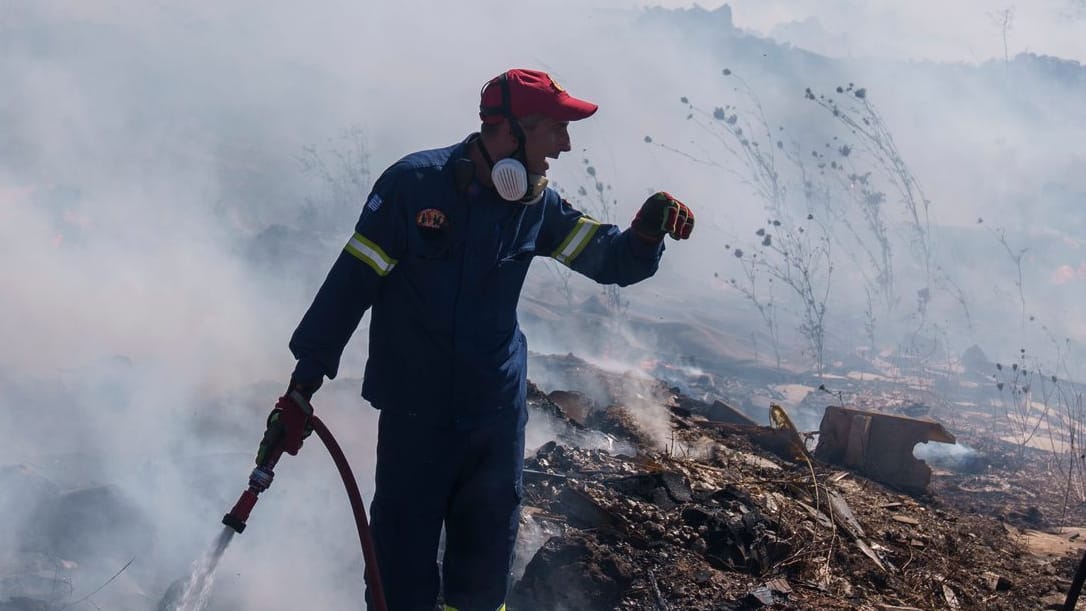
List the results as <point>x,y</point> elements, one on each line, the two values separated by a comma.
<point>730,514</point>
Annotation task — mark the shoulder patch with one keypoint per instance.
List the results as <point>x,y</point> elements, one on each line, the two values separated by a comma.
<point>373,203</point>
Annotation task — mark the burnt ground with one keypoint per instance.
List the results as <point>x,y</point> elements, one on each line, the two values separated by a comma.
<point>710,516</point>
<point>643,492</point>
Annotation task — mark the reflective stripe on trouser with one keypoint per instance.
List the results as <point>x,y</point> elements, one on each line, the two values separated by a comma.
<point>467,479</point>
<point>448,608</point>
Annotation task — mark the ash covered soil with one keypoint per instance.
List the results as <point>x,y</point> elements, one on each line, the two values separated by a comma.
<point>718,517</point>
<point>639,493</point>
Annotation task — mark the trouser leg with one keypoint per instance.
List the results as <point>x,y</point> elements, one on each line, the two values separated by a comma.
<point>483,516</point>
<point>413,478</point>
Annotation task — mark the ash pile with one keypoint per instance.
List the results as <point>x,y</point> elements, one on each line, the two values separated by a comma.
<point>689,504</point>
<point>66,542</point>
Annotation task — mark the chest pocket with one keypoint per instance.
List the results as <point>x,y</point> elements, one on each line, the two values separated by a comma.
<point>431,269</point>
<point>434,235</point>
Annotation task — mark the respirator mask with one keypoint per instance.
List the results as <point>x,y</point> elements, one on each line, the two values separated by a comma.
<point>510,176</point>
<point>513,182</point>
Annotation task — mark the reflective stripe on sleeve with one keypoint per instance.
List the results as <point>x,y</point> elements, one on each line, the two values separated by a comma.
<point>576,240</point>
<point>370,254</point>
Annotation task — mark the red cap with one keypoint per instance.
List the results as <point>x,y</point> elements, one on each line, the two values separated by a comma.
<point>530,92</point>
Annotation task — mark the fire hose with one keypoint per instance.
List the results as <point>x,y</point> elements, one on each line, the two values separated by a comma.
<point>261,479</point>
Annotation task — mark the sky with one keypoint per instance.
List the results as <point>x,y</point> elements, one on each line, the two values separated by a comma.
<point>966,30</point>
<point>960,31</point>
<point>176,178</point>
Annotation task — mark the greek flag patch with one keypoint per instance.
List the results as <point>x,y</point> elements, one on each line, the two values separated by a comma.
<point>373,203</point>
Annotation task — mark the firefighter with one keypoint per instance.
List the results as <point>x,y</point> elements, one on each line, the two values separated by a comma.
<point>439,254</point>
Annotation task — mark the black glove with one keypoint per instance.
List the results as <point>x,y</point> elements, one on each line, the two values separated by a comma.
<point>661,215</point>
<point>288,423</point>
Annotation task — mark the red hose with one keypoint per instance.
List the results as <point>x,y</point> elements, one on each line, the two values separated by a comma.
<point>373,576</point>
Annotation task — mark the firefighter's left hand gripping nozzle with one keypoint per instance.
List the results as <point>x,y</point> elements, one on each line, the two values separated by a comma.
<point>288,424</point>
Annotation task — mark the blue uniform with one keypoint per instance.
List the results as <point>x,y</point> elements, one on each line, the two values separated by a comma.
<point>441,260</point>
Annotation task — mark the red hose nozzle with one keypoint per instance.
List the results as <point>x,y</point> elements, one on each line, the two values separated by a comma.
<point>240,513</point>
<point>259,481</point>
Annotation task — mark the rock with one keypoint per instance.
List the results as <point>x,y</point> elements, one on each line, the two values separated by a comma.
<point>1053,601</point>
<point>697,518</point>
<point>24,489</point>
<point>89,526</point>
<point>573,573</point>
<point>663,500</point>
<point>996,583</point>
<point>779,585</point>
<point>746,542</point>
<point>665,489</point>
<point>678,488</point>
<point>32,576</point>
<point>584,512</point>
<point>574,405</point>
<point>20,603</point>
<point>619,421</point>
<point>554,456</point>
<point>760,597</point>
<point>702,577</point>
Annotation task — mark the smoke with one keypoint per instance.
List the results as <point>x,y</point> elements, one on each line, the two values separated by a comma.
<point>164,223</point>
<point>953,456</point>
<point>965,31</point>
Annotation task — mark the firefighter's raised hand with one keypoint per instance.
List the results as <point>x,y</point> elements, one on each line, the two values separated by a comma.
<point>288,423</point>
<point>661,215</point>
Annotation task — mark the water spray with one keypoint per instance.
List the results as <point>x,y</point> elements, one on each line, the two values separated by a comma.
<point>197,590</point>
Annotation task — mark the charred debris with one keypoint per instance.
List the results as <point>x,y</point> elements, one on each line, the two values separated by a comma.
<point>693,504</point>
